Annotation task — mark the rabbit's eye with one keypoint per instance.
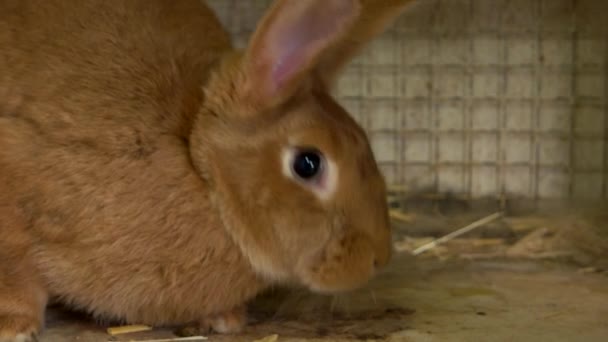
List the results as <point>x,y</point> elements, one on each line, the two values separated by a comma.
<point>307,164</point>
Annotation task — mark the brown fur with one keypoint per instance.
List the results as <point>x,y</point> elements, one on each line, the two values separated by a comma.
<point>140,177</point>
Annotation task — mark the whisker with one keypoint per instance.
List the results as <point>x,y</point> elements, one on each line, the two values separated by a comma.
<point>332,304</point>
<point>373,294</point>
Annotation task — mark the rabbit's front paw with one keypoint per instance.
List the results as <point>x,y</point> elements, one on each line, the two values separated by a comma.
<point>229,322</point>
<point>18,328</point>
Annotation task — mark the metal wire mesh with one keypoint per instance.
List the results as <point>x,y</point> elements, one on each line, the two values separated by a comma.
<point>481,98</point>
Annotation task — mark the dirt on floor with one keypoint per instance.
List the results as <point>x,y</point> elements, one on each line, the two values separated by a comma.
<point>530,278</point>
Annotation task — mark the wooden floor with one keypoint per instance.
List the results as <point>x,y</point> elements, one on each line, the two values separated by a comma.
<point>480,288</point>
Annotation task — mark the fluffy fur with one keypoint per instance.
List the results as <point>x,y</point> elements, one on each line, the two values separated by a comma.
<point>140,160</point>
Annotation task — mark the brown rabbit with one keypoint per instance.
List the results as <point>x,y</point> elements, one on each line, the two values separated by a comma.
<point>152,174</point>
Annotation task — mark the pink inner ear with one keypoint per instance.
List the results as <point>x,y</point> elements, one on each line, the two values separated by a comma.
<point>298,35</point>
<point>286,65</point>
<point>293,49</point>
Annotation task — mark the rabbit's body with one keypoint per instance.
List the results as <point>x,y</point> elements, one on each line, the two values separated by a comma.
<point>105,170</point>
<point>140,162</point>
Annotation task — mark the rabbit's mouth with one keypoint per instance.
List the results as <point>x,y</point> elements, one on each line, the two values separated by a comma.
<point>344,265</point>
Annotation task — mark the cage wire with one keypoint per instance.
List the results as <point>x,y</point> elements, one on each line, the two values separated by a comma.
<point>480,98</point>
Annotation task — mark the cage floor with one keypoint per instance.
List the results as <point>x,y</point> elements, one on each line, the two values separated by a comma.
<point>487,295</point>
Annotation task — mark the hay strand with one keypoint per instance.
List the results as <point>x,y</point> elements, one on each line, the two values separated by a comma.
<point>456,233</point>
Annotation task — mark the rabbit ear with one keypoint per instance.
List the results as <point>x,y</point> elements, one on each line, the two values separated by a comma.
<point>376,16</point>
<point>288,43</point>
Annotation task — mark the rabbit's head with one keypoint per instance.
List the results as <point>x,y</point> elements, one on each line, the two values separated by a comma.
<point>292,174</point>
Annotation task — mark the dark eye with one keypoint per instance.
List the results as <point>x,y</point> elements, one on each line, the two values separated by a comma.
<point>307,164</point>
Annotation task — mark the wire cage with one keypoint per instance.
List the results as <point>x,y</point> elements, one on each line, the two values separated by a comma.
<point>481,99</point>
<point>501,103</point>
